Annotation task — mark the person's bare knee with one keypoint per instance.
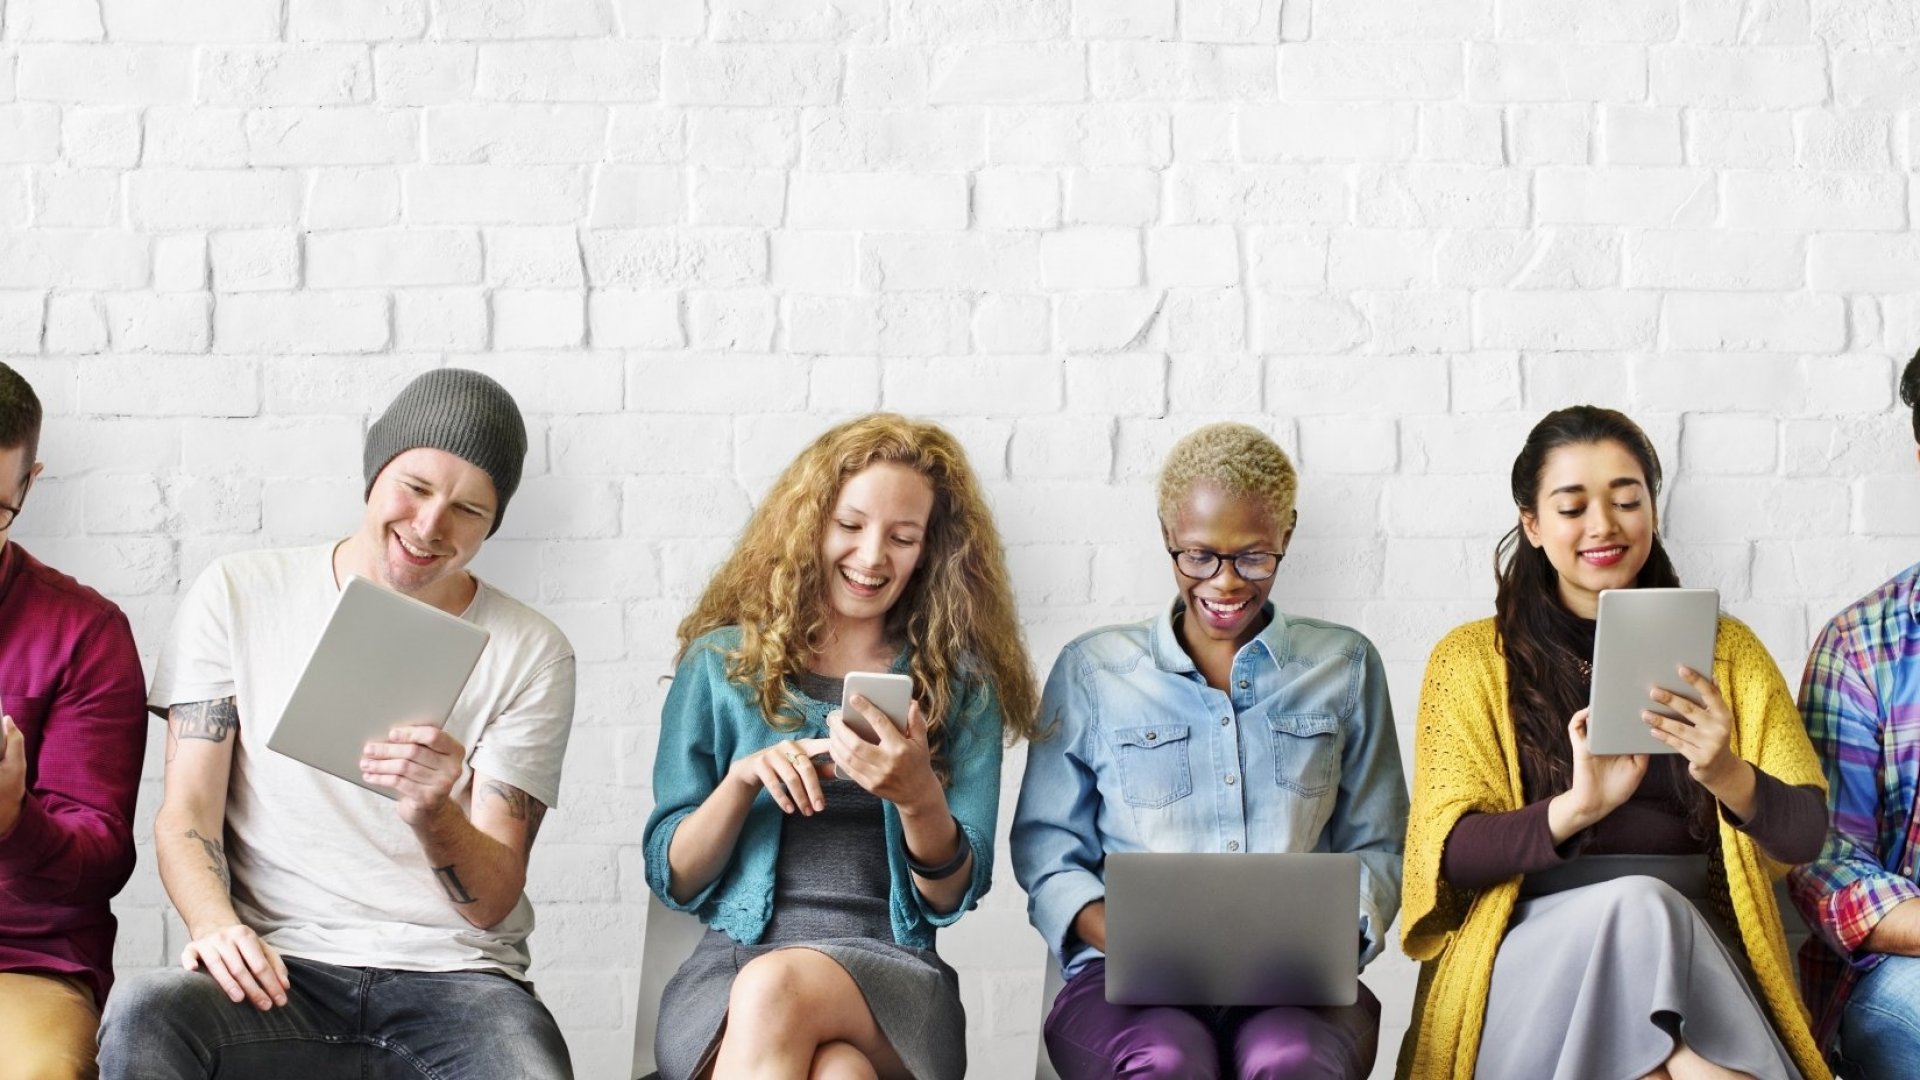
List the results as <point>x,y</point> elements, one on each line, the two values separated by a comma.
<point>769,991</point>
<point>788,1003</point>
<point>48,1027</point>
<point>1685,1064</point>
<point>841,1061</point>
<point>61,1057</point>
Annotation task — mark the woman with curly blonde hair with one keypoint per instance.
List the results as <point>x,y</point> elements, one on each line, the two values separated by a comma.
<point>823,855</point>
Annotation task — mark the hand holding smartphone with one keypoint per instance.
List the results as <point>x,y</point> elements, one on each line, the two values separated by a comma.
<point>887,693</point>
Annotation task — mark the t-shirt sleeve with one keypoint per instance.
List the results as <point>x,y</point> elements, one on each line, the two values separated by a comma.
<point>525,744</point>
<point>196,660</point>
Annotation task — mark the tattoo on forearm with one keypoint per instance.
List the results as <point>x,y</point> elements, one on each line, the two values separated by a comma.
<point>450,881</point>
<point>209,720</point>
<point>216,858</point>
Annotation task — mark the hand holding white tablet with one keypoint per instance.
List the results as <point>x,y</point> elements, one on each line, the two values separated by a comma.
<point>419,764</point>
<point>1704,736</point>
<point>1601,782</point>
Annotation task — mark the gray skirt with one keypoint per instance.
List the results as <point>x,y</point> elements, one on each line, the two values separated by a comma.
<point>1601,981</point>
<point>913,995</point>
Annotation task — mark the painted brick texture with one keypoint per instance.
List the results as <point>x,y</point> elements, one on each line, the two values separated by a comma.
<point>689,235</point>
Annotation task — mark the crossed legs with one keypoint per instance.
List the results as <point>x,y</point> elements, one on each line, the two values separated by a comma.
<point>797,1013</point>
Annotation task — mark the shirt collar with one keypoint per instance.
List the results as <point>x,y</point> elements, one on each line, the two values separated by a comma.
<point>1170,655</point>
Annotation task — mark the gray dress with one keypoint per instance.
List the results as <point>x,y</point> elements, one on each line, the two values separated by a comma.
<point>831,894</point>
<point>1606,962</point>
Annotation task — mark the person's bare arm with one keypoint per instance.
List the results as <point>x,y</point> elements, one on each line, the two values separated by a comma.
<point>481,863</point>
<point>703,844</point>
<point>189,839</point>
<point>899,769</point>
<point>1897,932</point>
<point>1090,925</point>
<point>479,860</point>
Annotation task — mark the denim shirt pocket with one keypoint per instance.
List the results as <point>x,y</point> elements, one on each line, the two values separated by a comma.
<point>1153,764</point>
<point>1306,752</point>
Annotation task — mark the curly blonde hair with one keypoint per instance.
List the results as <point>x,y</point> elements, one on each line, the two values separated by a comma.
<point>957,616</point>
<point>1239,459</point>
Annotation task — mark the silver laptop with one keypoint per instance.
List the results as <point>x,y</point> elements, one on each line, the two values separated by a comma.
<point>383,661</point>
<point>1643,634</point>
<point>1246,929</point>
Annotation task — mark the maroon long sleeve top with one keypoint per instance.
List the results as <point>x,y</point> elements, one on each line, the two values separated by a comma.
<point>1789,824</point>
<point>70,678</point>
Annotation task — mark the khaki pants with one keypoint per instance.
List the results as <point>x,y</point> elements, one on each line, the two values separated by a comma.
<point>47,1026</point>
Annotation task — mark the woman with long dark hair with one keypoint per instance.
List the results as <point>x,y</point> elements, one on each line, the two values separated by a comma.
<point>1586,916</point>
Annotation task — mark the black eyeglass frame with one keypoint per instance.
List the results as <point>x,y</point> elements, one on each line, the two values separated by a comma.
<point>8,514</point>
<point>1215,559</point>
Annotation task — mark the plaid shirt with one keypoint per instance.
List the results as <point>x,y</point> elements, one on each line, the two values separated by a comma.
<point>1861,699</point>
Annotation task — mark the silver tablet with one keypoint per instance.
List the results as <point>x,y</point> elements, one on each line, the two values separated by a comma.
<point>384,660</point>
<point>1219,929</point>
<point>1644,634</point>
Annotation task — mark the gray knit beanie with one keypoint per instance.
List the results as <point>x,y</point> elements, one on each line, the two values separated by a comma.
<point>462,412</point>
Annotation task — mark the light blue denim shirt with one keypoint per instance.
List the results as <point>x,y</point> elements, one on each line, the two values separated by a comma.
<point>1143,755</point>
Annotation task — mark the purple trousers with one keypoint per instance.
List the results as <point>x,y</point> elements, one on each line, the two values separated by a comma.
<point>1088,1038</point>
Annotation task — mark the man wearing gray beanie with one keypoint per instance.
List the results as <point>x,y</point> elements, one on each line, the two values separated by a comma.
<point>334,931</point>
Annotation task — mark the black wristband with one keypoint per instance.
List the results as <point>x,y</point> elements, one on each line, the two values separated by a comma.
<point>946,869</point>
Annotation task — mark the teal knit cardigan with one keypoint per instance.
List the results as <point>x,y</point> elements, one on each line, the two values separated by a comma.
<point>708,722</point>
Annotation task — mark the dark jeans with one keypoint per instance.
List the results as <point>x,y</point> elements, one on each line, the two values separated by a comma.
<point>1088,1038</point>
<point>362,1023</point>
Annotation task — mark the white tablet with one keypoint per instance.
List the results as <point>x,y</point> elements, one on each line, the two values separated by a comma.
<point>1643,635</point>
<point>384,660</point>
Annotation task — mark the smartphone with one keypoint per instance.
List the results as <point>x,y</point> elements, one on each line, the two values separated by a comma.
<point>889,693</point>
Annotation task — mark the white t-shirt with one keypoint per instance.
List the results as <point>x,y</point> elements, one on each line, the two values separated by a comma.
<point>323,869</point>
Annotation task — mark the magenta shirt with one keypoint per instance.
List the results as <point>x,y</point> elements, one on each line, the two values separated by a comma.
<point>70,678</point>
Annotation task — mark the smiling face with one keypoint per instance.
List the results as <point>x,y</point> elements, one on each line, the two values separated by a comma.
<point>873,539</point>
<point>1593,517</point>
<point>1225,608</point>
<point>426,516</point>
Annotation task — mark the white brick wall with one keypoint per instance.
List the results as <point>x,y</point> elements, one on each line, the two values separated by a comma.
<point>691,234</point>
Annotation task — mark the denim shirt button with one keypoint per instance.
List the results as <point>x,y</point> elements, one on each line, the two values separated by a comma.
<point>1233,845</point>
<point>1243,684</point>
<point>1225,720</point>
<point>1229,779</point>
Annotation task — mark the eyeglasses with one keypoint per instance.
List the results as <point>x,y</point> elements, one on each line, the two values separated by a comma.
<point>8,513</point>
<point>1201,564</point>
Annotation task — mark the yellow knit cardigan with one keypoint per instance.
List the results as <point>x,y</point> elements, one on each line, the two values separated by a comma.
<point>1467,761</point>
